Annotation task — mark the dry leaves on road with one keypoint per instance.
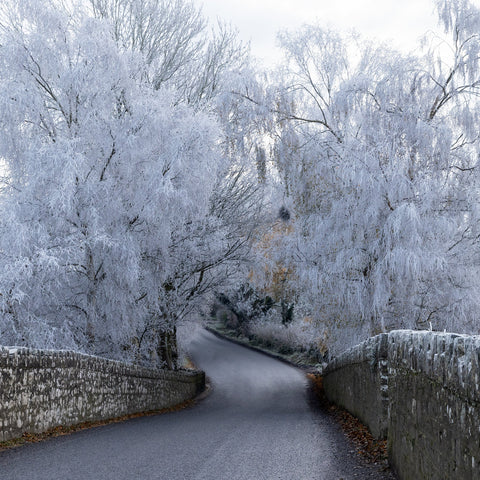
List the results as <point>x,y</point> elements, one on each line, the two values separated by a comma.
<point>373,450</point>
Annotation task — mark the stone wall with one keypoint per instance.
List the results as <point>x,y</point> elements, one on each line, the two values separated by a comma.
<point>357,381</point>
<point>434,424</point>
<point>433,398</point>
<point>42,389</point>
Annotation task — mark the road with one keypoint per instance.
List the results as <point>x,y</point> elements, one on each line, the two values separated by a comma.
<point>256,424</point>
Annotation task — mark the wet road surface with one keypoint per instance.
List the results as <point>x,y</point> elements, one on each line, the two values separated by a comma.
<point>256,424</point>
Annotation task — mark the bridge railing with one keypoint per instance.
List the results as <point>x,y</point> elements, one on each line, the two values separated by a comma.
<point>42,389</point>
<point>420,391</point>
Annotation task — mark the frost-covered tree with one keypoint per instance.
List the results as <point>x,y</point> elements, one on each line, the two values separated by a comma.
<point>102,177</point>
<point>179,47</point>
<point>200,66</point>
<point>378,154</point>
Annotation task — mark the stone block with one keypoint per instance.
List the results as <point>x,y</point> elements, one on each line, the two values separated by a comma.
<point>43,389</point>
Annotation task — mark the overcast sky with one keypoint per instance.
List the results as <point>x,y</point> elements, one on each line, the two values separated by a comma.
<point>401,21</point>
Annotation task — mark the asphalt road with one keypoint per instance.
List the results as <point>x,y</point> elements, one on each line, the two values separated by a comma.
<point>256,424</point>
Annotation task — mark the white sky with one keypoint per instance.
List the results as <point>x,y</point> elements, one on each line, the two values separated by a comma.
<point>402,22</point>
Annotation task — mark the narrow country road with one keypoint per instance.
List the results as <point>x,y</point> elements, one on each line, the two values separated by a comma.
<point>255,425</point>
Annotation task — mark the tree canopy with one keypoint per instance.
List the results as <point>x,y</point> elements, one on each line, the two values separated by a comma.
<point>145,160</point>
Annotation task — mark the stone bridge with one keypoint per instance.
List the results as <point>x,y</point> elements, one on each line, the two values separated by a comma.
<point>41,389</point>
<point>420,391</point>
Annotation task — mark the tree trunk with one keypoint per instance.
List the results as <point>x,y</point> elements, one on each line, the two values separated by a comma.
<point>167,348</point>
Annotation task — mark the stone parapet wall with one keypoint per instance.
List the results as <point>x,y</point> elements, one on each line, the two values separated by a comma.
<point>434,423</point>
<point>43,389</point>
<point>432,393</point>
<point>357,381</point>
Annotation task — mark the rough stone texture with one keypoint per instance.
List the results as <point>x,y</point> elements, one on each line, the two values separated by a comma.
<point>434,425</point>
<point>42,389</point>
<point>357,381</point>
<point>432,391</point>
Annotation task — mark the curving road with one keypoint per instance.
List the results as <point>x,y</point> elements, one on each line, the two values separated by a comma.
<point>255,425</point>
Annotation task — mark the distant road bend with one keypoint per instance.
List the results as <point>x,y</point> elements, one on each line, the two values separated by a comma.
<point>255,425</point>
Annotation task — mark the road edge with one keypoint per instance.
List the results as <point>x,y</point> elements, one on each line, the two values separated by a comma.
<point>269,353</point>
<point>61,430</point>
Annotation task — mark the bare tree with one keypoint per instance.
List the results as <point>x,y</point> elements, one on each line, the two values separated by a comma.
<point>179,48</point>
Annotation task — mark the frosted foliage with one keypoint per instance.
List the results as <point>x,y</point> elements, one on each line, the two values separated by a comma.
<point>107,183</point>
<point>299,335</point>
<point>137,148</point>
<point>181,51</point>
<point>378,155</point>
